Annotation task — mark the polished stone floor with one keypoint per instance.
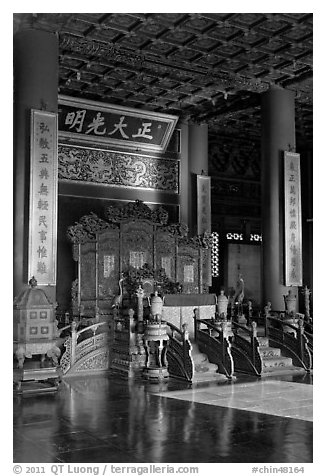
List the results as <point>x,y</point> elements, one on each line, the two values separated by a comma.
<point>103,419</point>
<point>279,398</point>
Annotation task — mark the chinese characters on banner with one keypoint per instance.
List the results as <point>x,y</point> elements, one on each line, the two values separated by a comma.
<point>114,125</point>
<point>292,211</point>
<point>43,198</point>
<point>203,204</point>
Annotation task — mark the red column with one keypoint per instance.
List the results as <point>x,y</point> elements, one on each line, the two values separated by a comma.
<point>278,134</point>
<point>197,162</point>
<point>184,175</point>
<point>35,87</point>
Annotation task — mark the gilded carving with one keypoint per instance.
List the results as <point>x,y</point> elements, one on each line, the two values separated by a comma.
<point>117,168</point>
<point>96,362</point>
<point>136,210</point>
<point>74,297</point>
<point>231,158</point>
<point>138,239</point>
<point>66,357</point>
<point>90,345</point>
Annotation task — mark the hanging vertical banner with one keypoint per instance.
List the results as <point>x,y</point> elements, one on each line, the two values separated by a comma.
<point>43,198</point>
<point>292,213</point>
<point>203,204</point>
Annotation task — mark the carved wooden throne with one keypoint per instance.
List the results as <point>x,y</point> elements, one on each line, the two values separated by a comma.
<point>131,241</point>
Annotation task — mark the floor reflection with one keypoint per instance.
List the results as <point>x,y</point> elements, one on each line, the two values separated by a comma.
<point>102,419</point>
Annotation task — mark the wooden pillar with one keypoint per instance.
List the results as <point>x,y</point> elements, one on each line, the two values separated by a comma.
<point>278,134</point>
<point>198,164</point>
<point>35,87</point>
<point>184,175</point>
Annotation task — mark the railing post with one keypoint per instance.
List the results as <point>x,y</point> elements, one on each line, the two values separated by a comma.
<point>301,331</point>
<point>73,342</point>
<point>67,318</point>
<point>132,334</point>
<point>140,309</point>
<point>196,323</point>
<point>253,341</point>
<point>185,337</point>
<point>224,336</point>
<point>266,325</point>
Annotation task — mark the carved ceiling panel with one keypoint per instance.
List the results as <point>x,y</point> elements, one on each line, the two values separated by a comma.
<point>204,67</point>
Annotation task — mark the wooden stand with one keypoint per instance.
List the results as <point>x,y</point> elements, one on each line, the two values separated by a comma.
<point>36,379</point>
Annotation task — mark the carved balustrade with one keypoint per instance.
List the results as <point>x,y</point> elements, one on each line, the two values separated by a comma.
<point>81,344</point>
<point>245,349</point>
<point>180,363</point>
<point>292,339</point>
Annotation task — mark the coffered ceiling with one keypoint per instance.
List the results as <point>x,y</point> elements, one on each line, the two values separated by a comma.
<point>204,67</point>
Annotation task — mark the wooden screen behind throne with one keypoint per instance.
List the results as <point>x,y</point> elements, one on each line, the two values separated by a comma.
<point>108,250</point>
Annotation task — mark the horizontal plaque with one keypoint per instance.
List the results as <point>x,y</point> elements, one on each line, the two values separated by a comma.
<point>108,124</point>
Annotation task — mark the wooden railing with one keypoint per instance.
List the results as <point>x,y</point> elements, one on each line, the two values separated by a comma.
<point>81,343</point>
<point>215,341</point>
<point>180,363</point>
<point>292,339</point>
<point>247,358</point>
<point>309,333</point>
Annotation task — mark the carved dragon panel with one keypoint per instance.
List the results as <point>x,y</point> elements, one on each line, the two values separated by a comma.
<point>117,169</point>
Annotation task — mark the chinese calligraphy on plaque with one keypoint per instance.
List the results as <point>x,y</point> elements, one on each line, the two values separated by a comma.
<point>203,204</point>
<point>292,211</point>
<point>108,264</point>
<point>137,259</point>
<point>114,125</point>
<point>188,273</point>
<point>43,197</point>
<point>166,265</point>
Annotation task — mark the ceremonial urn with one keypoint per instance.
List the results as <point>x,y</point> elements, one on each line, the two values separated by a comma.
<point>156,306</point>
<point>222,304</point>
<point>290,313</point>
<point>156,340</point>
<point>290,303</point>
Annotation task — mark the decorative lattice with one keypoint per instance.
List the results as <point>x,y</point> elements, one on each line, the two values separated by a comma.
<point>255,237</point>
<point>234,236</point>
<point>215,257</point>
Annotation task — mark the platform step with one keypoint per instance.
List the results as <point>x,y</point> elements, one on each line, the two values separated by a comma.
<point>201,362</point>
<point>202,377</point>
<point>206,367</point>
<point>260,331</point>
<point>276,363</point>
<point>280,371</point>
<point>263,341</point>
<point>267,352</point>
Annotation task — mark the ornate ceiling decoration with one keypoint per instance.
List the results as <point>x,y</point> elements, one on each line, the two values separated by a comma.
<point>202,67</point>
